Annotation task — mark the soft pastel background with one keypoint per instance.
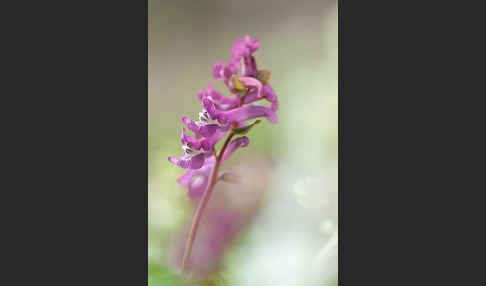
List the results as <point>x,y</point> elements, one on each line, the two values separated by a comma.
<point>289,195</point>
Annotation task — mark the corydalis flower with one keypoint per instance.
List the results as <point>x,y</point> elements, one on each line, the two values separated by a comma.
<point>239,114</point>
<point>242,51</point>
<point>196,150</point>
<point>229,102</point>
<point>196,181</point>
<point>243,62</point>
<point>241,59</point>
<point>220,114</point>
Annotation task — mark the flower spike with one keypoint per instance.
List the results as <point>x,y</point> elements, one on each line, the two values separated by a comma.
<point>223,115</point>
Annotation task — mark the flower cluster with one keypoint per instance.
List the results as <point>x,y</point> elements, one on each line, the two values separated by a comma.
<point>222,114</point>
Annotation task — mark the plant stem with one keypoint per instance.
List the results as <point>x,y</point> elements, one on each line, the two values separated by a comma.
<point>202,205</point>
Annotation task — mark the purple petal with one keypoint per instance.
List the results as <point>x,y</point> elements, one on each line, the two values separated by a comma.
<point>196,180</point>
<point>195,144</point>
<point>249,67</point>
<point>195,162</point>
<point>184,179</point>
<point>268,94</point>
<point>225,71</point>
<point>247,112</point>
<point>233,146</point>
<point>244,47</point>
<point>201,94</point>
<point>223,102</point>
<point>251,82</point>
<point>197,185</point>
<point>208,143</point>
<point>216,69</point>
<point>201,130</point>
<point>251,96</point>
<point>274,106</point>
<point>229,70</point>
<point>208,105</point>
<point>238,49</point>
<point>253,44</point>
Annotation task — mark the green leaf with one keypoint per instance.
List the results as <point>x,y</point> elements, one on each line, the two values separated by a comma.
<point>237,84</point>
<point>263,76</point>
<point>244,129</point>
<point>159,275</point>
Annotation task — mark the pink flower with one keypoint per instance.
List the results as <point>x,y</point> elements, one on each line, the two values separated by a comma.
<point>238,114</point>
<point>220,113</point>
<point>196,180</point>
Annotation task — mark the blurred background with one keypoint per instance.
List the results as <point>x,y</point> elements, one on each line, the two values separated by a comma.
<point>279,225</point>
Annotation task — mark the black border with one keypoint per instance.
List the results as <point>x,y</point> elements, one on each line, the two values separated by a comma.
<point>78,92</point>
<point>75,136</point>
